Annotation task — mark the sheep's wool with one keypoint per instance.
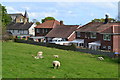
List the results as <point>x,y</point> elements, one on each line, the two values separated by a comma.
<point>57,63</point>
<point>36,57</point>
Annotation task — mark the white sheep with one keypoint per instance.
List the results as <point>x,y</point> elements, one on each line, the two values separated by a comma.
<point>100,58</point>
<point>39,55</point>
<point>56,56</point>
<point>56,64</point>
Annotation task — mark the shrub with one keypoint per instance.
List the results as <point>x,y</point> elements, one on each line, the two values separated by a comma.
<point>52,45</point>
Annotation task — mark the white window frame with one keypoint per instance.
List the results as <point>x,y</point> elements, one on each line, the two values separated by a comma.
<point>108,38</point>
<point>109,47</point>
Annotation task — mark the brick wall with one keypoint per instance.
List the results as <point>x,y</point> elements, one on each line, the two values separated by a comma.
<point>116,43</point>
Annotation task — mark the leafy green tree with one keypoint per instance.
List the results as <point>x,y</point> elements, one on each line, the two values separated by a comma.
<point>102,20</point>
<point>47,18</point>
<point>37,23</point>
<point>4,17</point>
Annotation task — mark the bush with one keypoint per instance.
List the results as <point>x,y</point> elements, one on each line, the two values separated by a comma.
<point>6,36</point>
<point>52,45</point>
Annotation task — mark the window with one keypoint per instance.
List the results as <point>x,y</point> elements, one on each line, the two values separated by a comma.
<point>106,37</point>
<point>109,47</point>
<point>104,47</point>
<point>93,35</point>
<point>85,35</point>
<point>37,30</point>
<point>78,34</point>
<point>21,20</point>
<point>43,30</point>
<point>46,30</point>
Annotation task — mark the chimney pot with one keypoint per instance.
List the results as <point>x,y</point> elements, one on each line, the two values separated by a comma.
<point>61,22</point>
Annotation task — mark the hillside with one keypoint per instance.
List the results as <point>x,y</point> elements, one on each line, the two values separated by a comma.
<point>18,63</point>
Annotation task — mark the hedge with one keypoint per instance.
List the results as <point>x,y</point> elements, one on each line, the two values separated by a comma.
<point>52,45</point>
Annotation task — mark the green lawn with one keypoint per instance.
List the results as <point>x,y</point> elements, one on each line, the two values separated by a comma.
<point>18,63</point>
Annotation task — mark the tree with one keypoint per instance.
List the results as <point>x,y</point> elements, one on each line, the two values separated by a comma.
<point>102,20</point>
<point>5,18</point>
<point>36,21</point>
<point>47,18</point>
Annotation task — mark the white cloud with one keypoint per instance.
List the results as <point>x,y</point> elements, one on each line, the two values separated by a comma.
<point>106,5</point>
<point>41,15</point>
<point>70,12</point>
<point>26,8</point>
<point>13,10</point>
<point>10,8</point>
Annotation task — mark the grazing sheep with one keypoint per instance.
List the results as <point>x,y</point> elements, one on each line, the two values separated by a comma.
<point>56,56</point>
<point>101,58</point>
<point>56,64</point>
<point>39,55</point>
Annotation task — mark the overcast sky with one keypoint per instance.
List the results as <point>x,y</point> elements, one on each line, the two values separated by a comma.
<point>70,12</point>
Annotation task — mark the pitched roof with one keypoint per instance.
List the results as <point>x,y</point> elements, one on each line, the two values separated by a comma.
<point>48,24</point>
<point>98,27</point>
<point>62,31</point>
<point>16,15</point>
<point>16,26</point>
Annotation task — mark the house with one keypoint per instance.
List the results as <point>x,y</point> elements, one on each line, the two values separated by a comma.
<point>99,35</point>
<point>18,29</point>
<point>62,33</point>
<point>20,25</point>
<point>19,17</point>
<point>44,28</point>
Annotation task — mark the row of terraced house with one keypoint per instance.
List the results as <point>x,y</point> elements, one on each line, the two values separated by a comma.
<point>93,35</point>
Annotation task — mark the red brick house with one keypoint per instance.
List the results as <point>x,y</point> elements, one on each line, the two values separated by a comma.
<point>99,35</point>
<point>63,32</point>
<point>44,28</point>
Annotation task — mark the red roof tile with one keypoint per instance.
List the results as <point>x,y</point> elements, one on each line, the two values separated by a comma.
<point>48,24</point>
<point>98,27</point>
<point>62,31</point>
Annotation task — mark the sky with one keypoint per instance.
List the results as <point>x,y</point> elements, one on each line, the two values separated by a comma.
<point>72,13</point>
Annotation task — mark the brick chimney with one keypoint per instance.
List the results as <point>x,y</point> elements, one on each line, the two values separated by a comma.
<point>61,23</point>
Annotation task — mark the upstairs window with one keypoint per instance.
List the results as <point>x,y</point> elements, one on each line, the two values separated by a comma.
<point>78,34</point>
<point>93,35</point>
<point>107,37</point>
<point>37,30</point>
<point>21,20</point>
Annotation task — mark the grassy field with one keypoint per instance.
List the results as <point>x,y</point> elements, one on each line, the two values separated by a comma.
<point>18,63</point>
